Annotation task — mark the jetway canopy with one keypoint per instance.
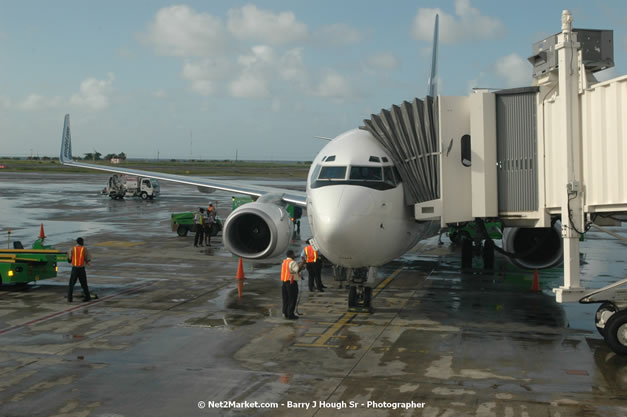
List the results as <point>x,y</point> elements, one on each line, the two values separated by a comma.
<point>409,133</point>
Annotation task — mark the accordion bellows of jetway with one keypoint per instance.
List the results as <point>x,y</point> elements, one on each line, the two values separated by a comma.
<point>408,133</point>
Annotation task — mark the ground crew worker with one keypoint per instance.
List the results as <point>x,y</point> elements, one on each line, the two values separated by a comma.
<point>199,221</point>
<point>312,260</point>
<point>289,289</point>
<point>78,256</point>
<point>208,224</point>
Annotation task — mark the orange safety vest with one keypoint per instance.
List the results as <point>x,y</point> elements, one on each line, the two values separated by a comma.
<point>312,254</point>
<point>78,256</point>
<point>286,275</point>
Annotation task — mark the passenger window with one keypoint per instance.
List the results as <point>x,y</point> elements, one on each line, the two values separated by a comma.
<point>332,173</point>
<point>366,173</point>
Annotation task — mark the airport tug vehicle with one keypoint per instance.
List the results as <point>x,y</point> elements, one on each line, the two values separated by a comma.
<point>21,266</point>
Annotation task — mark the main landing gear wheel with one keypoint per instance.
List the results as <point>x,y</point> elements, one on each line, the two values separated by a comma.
<point>616,332</point>
<point>603,314</point>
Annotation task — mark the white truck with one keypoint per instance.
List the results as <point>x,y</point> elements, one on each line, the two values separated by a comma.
<point>120,186</point>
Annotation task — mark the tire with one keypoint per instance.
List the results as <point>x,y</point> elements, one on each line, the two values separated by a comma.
<point>609,309</point>
<point>182,230</point>
<point>466,251</point>
<point>352,296</point>
<point>616,332</point>
<point>488,255</point>
<point>144,195</point>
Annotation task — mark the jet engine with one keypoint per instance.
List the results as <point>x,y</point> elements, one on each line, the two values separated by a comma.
<point>534,248</point>
<point>258,230</point>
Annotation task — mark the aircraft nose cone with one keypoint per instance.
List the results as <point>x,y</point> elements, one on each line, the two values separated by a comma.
<point>342,223</point>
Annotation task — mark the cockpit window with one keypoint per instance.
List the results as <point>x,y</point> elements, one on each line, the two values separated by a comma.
<point>388,176</point>
<point>374,159</point>
<point>375,177</point>
<point>332,173</point>
<point>366,173</point>
<point>330,158</point>
<point>384,159</point>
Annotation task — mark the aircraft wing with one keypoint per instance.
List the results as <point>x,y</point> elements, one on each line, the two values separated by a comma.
<point>289,196</point>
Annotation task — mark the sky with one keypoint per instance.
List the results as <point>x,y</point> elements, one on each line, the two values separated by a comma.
<point>256,79</point>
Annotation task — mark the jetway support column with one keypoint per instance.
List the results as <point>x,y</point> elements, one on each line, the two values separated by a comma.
<point>570,132</point>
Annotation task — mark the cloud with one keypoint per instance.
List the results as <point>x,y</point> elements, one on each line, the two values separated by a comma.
<point>515,70</point>
<point>292,68</point>
<point>381,62</point>
<point>249,22</point>
<point>180,31</point>
<point>467,25</point>
<point>334,86</point>
<point>205,75</point>
<point>338,34</point>
<point>94,93</point>
<point>160,93</point>
<point>257,70</point>
<point>249,85</point>
<point>37,102</point>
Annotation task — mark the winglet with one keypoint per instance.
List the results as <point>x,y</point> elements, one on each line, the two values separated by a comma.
<point>66,142</point>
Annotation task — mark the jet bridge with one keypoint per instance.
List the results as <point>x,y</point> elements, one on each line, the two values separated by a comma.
<point>528,156</point>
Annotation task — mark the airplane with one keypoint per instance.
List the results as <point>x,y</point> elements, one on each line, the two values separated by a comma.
<point>355,202</point>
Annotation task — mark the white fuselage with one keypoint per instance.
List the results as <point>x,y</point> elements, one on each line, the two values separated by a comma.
<point>356,206</point>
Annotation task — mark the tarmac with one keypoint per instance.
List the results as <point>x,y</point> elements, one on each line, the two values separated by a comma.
<point>168,335</point>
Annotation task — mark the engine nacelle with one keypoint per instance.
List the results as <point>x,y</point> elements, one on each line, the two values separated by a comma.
<point>538,248</point>
<point>258,230</point>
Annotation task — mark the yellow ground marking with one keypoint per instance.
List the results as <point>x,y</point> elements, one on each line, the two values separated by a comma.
<point>346,318</point>
<point>119,243</point>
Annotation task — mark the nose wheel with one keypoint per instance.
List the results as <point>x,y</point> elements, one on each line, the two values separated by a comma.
<point>359,293</point>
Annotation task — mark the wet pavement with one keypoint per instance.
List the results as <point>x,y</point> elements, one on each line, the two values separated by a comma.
<point>169,337</point>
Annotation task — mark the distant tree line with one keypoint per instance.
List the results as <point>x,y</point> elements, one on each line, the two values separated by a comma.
<point>97,156</point>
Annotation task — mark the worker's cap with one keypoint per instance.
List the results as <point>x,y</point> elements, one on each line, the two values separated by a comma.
<point>80,241</point>
<point>290,254</point>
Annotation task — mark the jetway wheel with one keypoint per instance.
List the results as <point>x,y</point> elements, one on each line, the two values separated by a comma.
<point>603,314</point>
<point>467,251</point>
<point>488,254</point>
<point>616,332</point>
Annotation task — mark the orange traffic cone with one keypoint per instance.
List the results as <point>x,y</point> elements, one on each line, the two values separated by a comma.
<point>41,232</point>
<point>535,285</point>
<point>240,278</point>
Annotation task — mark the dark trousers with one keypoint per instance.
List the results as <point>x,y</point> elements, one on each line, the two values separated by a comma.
<point>199,235</point>
<point>207,234</point>
<point>314,270</point>
<point>289,292</point>
<point>78,272</point>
